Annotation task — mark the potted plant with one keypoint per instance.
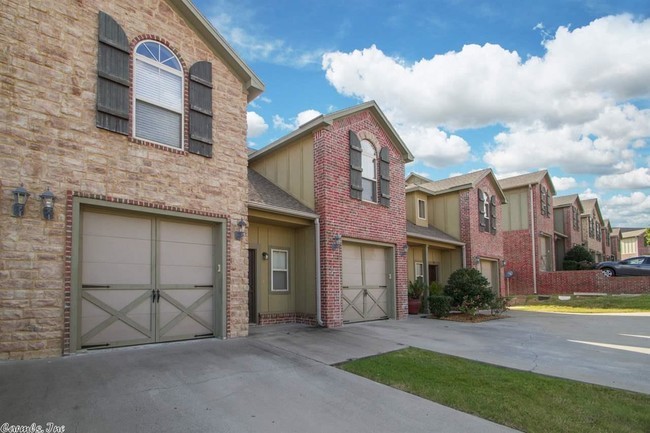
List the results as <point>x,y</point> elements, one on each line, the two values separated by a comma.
<point>415,291</point>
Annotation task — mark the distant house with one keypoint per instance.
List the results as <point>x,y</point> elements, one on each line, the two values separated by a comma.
<point>633,243</point>
<point>607,240</point>
<point>528,228</point>
<point>566,221</point>
<point>616,243</point>
<point>453,223</point>
<point>345,172</point>
<point>592,223</point>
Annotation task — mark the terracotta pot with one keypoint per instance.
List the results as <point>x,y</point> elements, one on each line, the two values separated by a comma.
<point>414,305</point>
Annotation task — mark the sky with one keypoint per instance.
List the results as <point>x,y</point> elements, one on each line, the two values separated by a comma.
<point>514,85</point>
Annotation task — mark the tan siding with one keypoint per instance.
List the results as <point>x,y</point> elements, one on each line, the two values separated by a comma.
<point>449,262</point>
<point>515,212</point>
<point>292,169</point>
<point>410,207</point>
<point>558,220</point>
<point>444,213</point>
<point>305,271</point>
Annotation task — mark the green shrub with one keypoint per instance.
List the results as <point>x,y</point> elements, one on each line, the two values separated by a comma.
<point>585,265</point>
<point>570,265</point>
<point>435,288</point>
<point>440,305</point>
<point>499,305</point>
<point>579,254</point>
<point>469,290</point>
<point>416,289</point>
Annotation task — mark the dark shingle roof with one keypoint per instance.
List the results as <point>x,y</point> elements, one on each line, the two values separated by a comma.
<point>526,179</point>
<point>262,191</point>
<point>431,232</point>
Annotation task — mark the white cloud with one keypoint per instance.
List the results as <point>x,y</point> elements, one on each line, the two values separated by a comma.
<point>635,179</point>
<point>433,147</point>
<point>256,124</point>
<point>564,183</point>
<point>628,210</point>
<point>301,118</point>
<point>588,194</point>
<point>568,108</point>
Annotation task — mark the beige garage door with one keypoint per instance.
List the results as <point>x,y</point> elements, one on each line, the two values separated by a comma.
<point>144,279</point>
<point>366,293</point>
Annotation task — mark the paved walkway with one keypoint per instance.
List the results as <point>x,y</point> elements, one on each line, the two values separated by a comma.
<point>281,378</point>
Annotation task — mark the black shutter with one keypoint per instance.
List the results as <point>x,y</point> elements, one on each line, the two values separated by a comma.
<point>542,191</point>
<point>384,176</point>
<point>493,214</point>
<point>356,186</point>
<point>548,203</point>
<point>112,76</point>
<point>482,227</point>
<point>201,109</point>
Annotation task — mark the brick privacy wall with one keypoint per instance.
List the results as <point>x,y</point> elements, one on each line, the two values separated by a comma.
<point>568,282</point>
<point>355,219</point>
<point>281,318</point>
<point>482,244</point>
<point>518,246</point>
<point>48,137</point>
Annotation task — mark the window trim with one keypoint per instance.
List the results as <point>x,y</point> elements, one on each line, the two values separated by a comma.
<point>422,216</point>
<point>374,180</point>
<point>273,269</point>
<point>179,73</point>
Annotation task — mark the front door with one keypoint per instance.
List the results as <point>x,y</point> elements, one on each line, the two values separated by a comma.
<point>144,279</point>
<point>365,283</point>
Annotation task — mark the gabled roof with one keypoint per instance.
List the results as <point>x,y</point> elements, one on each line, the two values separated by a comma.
<point>607,225</point>
<point>265,195</point>
<point>589,205</point>
<point>328,119</point>
<point>631,232</point>
<point>568,200</point>
<point>416,179</point>
<point>457,183</point>
<point>252,84</point>
<point>431,233</point>
<point>527,179</point>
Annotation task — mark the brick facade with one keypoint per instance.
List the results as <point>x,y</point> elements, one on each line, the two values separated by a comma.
<point>481,244</point>
<point>519,244</point>
<point>355,219</point>
<point>49,139</point>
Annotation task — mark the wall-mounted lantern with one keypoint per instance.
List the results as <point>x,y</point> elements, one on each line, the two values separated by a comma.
<point>504,262</point>
<point>20,199</point>
<point>405,249</point>
<point>239,233</point>
<point>47,204</point>
<point>265,256</point>
<point>337,241</point>
<point>477,260</point>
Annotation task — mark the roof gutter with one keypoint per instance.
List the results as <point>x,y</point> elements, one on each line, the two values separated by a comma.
<point>431,238</point>
<point>282,211</point>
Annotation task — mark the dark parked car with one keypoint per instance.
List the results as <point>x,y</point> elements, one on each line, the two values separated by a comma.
<point>633,266</point>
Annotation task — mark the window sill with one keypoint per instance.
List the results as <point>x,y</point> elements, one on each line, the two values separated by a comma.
<point>176,150</point>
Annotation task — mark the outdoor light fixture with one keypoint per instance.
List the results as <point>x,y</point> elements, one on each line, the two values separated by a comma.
<point>20,198</point>
<point>336,242</point>
<point>265,256</point>
<point>239,233</point>
<point>477,260</point>
<point>47,204</point>
<point>405,249</point>
<point>504,262</point>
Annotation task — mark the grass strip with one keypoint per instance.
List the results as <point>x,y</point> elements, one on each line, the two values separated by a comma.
<point>522,400</point>
<point>587,304</point>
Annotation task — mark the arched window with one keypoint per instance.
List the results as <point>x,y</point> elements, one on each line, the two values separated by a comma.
<point>369,171</point>
<point>158,93</point>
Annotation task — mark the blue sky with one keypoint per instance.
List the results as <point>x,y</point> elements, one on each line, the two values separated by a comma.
<point>518,86</point>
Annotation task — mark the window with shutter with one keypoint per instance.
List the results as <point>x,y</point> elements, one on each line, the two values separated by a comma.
<point>483,211</point>
<point>201,109</point>
<point>112,76</point>
<point>384,176</point>
<point>542,197</point>
<point>158,94</point>
<point>355,166</point>
<point>493,214</point>
<point>368,171</point>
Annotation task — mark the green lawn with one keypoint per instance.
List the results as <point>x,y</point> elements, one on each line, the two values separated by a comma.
<point>525,401</point>
<point>586,304</point>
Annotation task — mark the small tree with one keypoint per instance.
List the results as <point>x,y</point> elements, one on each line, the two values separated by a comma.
<point>579,254</point>
<point>647,237</point>
<point>469,290</point>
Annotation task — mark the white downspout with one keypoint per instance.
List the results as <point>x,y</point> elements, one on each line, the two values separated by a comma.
<point>532,238</point>
<point>319,319</point>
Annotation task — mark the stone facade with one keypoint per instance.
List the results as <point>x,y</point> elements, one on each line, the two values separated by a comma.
<point>49,139</point>
<point>355,219</point>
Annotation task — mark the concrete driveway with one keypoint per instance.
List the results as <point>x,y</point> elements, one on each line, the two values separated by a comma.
<point>280,379</point>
